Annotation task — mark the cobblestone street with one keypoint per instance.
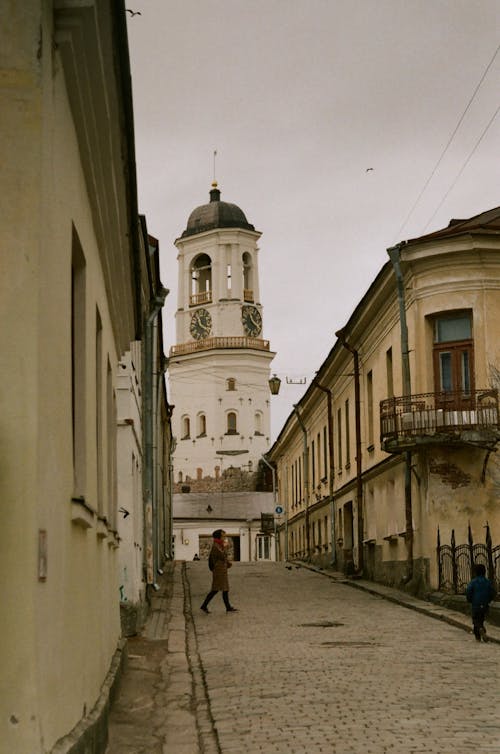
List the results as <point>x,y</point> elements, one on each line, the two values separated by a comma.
<point>310,664</point>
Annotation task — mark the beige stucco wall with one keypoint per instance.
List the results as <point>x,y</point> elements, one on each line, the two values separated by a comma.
<point>58,635</point>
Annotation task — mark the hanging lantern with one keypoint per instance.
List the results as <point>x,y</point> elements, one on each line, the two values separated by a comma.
<point>274,385</point>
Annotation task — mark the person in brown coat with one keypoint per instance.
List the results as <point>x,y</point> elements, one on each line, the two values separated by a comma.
<point>219,563</point>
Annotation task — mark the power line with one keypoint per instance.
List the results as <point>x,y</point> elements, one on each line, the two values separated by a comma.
<point>462,168</point>
<point>441,157</point>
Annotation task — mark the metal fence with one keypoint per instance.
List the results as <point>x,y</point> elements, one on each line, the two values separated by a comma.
<point>456,562</point>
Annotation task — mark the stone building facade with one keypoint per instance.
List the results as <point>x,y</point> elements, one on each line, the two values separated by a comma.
<point>392,446</point>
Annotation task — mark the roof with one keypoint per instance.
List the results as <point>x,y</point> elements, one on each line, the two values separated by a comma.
<point>216,214</point>
<point>228,505</point>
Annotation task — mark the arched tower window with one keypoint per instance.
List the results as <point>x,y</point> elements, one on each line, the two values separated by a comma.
<point>232,427</point>
<point>202,425</point>
<point>201,280</point>
<point>248,294</point>
<point>231,383</point>
<point>186,428</point>
<point>258,423</point>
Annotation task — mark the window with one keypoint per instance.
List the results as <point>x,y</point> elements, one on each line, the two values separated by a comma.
<point>325,451</point>
<point>453,358</point>
<point>339,439</point>
<point>201,280</point>
<point>369,407</point>
<point>247,277</point>
<point>186,428</point>
<point>98,411</point>
<point>78,362</point>
<point>231,383</point>
<point>347,436</point>
<point>258,423</point>
<point>202,425</point>
<point>313,464</point>
<point>231,424</point>
<point>390,373</point>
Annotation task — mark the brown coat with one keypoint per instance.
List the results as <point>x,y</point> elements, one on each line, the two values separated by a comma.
<point>218,558</point>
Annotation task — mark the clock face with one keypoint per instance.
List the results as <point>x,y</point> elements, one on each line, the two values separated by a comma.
<point>252,321</point>
<point>201,324</point>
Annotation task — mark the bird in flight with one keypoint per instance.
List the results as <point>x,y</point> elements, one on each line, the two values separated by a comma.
<point>368,170</point>
<point>133,12</point>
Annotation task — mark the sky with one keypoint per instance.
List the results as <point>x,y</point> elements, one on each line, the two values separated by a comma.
<point>341,128</point>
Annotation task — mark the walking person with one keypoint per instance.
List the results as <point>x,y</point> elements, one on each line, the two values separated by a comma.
<point>480,592</point>
<point>219,563</point>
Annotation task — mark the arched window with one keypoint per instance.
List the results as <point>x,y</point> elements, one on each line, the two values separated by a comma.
<point>248,294</point>
<point>258,423</point>
<point>202,425</point>
<point>231,383</point>
<point>201,280</point>
<point>186,428</point>
<point>231,423</point>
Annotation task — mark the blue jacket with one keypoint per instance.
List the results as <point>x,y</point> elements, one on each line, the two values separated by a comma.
<point>480,591</point>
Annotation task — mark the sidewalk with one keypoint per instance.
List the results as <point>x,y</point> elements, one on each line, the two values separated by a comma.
<point>154,712</point>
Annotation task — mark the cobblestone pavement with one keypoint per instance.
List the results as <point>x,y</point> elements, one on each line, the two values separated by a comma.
<point>309,665</point>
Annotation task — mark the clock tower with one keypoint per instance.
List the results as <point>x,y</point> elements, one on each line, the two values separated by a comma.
<point>220,366</point>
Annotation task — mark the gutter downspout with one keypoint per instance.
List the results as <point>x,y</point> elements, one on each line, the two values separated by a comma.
<point>306,481</point>
<point>150,513</point>
<point>273,471</point>
<point>357,418</point>
<point>394,253</point>
<point>332,466</point>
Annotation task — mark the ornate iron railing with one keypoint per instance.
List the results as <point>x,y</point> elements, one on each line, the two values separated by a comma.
<point>207,344</point>
<point>431,414</point>
<point>455,562</point>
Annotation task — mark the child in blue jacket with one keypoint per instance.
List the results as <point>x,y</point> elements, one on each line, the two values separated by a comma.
<point>480,592</point>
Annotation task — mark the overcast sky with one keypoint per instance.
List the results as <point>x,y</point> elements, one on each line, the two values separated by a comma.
<point>300,98</point>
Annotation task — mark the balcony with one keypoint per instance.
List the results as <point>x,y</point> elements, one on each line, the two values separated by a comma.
<point>209,344</point>
<point>453,418</point>
<point>200,298</point>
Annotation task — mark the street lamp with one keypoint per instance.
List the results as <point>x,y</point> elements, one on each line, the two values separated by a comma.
<point>274,385</point>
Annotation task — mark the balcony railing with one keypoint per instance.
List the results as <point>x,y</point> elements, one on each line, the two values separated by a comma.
<point>200,298</point>
<point>208,344</point>
<point>445,418</point>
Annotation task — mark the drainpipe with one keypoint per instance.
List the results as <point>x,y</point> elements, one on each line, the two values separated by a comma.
<point>150,512</point>
<point>395,255</point>
<point>332,465</point>
<point>357,418</point>
<point>273,471</point>
<point>306,480</point>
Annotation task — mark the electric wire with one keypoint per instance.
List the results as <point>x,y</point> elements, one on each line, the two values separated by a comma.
<point>462,169</point>
<point>443,153</point>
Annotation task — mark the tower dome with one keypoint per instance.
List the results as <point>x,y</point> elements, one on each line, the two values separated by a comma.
<point>216,214</point>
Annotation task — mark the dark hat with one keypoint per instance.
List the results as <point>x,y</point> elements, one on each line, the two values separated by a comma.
<point>217,534</point>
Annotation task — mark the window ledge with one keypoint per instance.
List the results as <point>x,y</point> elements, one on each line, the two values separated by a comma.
<point>391,538</point>
<point>81,513</point>
<point>102,528</point>
<point>371,448</point>
<point>114,540</point>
